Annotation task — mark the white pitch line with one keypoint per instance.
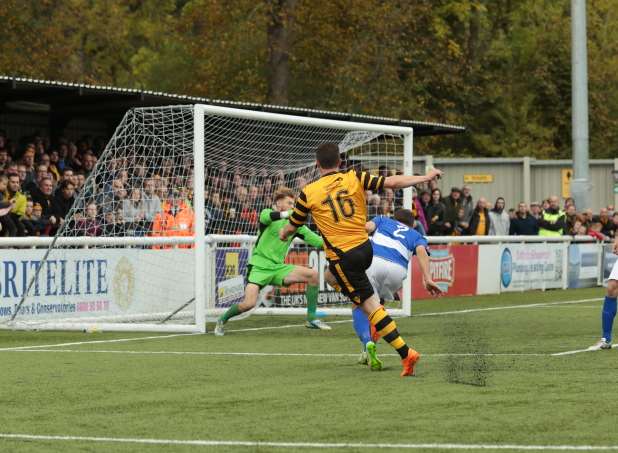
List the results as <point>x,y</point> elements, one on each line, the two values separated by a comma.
<point>272,354</point>
<point>77,343</point>
<point>577,351</point>
<point>507,307</point>
<point>325,445</point>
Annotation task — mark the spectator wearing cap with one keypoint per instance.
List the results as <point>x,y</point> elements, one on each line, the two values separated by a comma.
<point>479,223</point>
<point>535,209</point>
<point>499,219</point>
<point>553,219</point>
<point>452,203</point>
<point>467,203</point>
<point>523,224</point>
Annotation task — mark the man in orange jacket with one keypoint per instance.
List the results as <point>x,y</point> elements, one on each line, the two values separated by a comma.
<point>175,219</point>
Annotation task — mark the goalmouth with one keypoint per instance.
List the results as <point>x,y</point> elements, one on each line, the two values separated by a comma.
<point>159,237</point>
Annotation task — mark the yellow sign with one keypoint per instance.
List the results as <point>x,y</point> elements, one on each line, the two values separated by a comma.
<point>471,179</point>
<point>567,175</point>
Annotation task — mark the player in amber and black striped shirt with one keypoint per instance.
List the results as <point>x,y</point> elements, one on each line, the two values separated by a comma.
<point>338,207</point>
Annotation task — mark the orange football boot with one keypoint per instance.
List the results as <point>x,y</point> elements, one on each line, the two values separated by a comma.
<point>409,362</point>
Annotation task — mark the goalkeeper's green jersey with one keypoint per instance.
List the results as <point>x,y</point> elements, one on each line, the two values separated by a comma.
<point>269,250</point>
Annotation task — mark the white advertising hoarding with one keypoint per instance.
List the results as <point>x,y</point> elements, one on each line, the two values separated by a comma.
<point>532,266</point>
<point>99,284</point>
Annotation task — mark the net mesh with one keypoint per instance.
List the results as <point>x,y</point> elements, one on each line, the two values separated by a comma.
<point>142,188</point>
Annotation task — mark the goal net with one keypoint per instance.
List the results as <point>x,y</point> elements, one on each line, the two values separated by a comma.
<point>160,234</point>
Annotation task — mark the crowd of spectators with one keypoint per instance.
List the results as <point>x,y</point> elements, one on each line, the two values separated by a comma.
<point>457,214</point>
<point>136,194</point>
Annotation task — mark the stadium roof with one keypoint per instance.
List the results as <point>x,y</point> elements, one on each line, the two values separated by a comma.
<point>110,103</point>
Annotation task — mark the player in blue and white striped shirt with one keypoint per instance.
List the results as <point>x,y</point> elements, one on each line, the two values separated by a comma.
<point>394,241</point>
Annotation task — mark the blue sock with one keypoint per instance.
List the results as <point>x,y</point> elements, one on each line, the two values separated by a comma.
<point>361,325</point>
<point>607,317</point>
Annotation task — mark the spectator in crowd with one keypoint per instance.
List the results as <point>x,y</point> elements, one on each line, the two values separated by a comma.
<point>27,161</point>
<point>79,181</point>
<point>614,231</point>
<point>435,215</point>
<point>587,218</point>
<point>133,209</point>
<point>88,163</point>
<point>425,199</point>
<point>568,202</point>
<point>467,203</point>
<point>535,209</point>
<point>40,173</point>
<point>607,226</point>
<point>479,224</point>
<point>386,208</point>
<point>43,195</point>
<point>523,224</point>
<point>595,232</point>
<point>32,219</point>
<point>419,212</point>
<point>570,218</point>
<point>56,165</point>
<point>19,200</point>
<point>176,218</point>
<point>152,202</point>
<point>214,213</point>
<point>553,220</point>
<point>499,221</point>
<point>373,205</point>
<point>63,200</point>
<point>452,203</point>
<point>22,173</point>
<point>512,213</point>
<point>460,227</point>
<point>4,158</point>
<point>89,225</point>
<point>7,226</point>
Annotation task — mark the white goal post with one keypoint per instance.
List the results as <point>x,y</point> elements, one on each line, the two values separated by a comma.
<point>159,236</point>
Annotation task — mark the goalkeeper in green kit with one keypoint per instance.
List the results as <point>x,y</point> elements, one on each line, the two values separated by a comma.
<point>267,267</point>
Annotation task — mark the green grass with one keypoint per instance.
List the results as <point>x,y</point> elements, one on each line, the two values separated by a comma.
<point>465,399</point>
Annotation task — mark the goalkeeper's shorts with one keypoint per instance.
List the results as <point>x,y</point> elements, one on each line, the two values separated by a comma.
<point>262,276</point>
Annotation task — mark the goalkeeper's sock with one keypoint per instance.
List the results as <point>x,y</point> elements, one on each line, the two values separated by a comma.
<point>312,301</point>
<point>361,326</point>
<point>607,317</point>
<point>387,329</point>
<point>230,313</point>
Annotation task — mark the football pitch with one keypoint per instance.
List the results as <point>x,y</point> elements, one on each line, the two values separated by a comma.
<point>498,373</point>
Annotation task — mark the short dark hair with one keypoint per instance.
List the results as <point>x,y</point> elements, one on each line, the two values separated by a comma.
<point>404,216</point>
<point>327,155</point>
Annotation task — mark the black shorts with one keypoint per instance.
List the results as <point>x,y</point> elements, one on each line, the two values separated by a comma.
<point>349,270</point>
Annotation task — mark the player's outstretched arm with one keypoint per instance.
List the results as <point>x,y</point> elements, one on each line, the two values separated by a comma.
<point>616,246</point>
<point>403,181</point>
<point>423,261</point>
<point>370,227</point>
